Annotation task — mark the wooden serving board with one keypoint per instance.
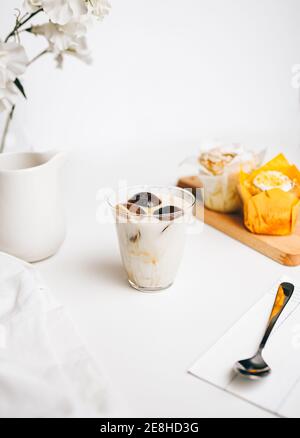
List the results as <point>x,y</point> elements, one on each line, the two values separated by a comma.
<point>283,249</point>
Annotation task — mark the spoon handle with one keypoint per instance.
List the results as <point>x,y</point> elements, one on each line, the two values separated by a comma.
<point>284,293</point>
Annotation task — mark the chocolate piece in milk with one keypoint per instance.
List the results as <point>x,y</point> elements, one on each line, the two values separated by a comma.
<point>168,213</point>
<point>145,199</point>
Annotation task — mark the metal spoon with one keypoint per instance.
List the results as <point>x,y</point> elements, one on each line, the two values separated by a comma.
<point>256,367</point>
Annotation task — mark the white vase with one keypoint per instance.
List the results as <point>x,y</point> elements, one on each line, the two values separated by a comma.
<point>19,135</point>
<point>32,225</point>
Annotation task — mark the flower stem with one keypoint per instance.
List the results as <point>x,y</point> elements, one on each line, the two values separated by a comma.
<point>21,23</point>
<point>38,56</point>
<point>6,127</point>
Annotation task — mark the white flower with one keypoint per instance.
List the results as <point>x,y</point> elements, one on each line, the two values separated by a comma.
<point>63,11</point>
<point>13,62</point>
<point>8,95</point>
<point>32,5</point>
<point>80,51</point>
<point>67,39</point>
<point>99,8</point>
<point>60,37</point>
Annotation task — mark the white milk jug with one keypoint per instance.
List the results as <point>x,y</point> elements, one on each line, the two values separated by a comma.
<point>32,224</point>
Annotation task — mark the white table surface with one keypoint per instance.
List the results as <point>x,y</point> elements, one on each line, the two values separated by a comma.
<point>146,342</point>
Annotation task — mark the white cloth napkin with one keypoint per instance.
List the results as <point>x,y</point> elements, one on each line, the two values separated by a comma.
<point>278,393</point>
<point>45,370</point>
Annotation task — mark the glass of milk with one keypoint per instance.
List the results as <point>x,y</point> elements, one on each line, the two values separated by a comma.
<point>151,226</point>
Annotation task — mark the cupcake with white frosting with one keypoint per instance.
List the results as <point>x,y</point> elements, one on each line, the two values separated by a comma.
<point>219,169</point>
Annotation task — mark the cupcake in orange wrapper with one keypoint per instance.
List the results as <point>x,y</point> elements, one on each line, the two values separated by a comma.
<point>271,197</point>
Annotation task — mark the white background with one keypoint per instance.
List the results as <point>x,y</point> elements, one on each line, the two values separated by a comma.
<point>166,74</point>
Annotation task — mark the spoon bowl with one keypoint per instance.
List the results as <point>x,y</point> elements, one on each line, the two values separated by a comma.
<point>255,367</point>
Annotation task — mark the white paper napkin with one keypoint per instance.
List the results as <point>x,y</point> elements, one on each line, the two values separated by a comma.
<point>278,393</point>
<point>45,370</point>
